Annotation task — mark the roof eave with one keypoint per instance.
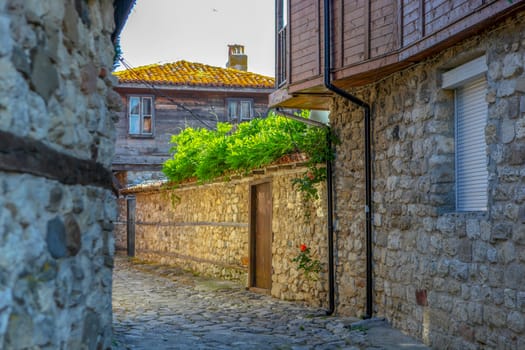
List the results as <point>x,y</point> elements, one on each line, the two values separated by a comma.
<point>195,88</point>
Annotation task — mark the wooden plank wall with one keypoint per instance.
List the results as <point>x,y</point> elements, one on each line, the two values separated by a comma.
<point>304,39</point>
<point>354,30</point>
<point>383,36</point>
<point>440,13</point>
<point>363,30</point>
<point>171,119</point>
<point>412,30</point>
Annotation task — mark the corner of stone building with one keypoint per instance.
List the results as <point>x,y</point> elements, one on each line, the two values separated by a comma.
<point>454,279</point>
<point>56,221</point>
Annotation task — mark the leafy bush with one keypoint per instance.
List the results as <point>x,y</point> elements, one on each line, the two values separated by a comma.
<point>205,154</point>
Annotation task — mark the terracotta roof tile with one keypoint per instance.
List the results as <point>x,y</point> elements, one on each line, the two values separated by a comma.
<point>194,74</point>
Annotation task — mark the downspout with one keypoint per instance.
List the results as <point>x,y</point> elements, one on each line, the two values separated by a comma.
<point>329,207</point>
<point>368,152</point>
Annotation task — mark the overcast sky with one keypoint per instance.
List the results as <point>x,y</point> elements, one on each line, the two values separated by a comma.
<point>162,31</point>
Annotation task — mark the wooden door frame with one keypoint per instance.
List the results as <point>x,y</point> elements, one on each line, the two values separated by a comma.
<point>251,233</point>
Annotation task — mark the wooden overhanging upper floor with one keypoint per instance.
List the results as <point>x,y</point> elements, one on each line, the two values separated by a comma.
<point>369,40</point>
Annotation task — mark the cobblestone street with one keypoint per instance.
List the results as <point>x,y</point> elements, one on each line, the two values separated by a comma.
<point>159,307</point>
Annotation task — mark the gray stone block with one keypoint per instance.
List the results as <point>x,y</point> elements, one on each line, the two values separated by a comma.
<point>516,322</point>
<point>515,276</point>
<point>44,75</point>
<point>56,238</point>
<point>6,40</point>
<point>501,232</point>
<point>19,333</point>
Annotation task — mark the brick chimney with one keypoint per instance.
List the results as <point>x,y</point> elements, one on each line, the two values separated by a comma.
<point>236,58</point>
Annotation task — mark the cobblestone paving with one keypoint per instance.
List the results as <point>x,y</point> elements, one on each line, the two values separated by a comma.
<point>160,307</point>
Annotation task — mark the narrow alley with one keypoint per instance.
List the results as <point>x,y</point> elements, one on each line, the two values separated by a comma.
<point>159,307</point>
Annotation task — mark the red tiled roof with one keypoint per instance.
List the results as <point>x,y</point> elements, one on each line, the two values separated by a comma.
<point>194,74</point>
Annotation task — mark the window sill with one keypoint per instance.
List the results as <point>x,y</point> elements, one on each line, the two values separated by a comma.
<point>139,136</point>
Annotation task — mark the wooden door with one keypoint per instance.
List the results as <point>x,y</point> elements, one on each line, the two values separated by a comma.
<point>261,236</point>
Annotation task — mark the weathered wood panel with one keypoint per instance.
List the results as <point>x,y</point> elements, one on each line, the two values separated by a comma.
<point>382,32</point>
<point>304,39</point>
<point>174,111</point>
<point>29,156</point>
<point>354,32</point>
<point>441,13</point>
<point>372,36</point>
<point>411,28</point>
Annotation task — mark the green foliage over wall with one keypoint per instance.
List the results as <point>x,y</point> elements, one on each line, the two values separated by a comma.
<point>207,154</point>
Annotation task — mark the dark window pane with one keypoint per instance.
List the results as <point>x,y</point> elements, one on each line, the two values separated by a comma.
<point>146,106</point>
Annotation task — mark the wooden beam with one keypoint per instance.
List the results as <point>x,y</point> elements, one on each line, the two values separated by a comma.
<point>320,37</point>
<point>342,35</point>
<point>29,156</point>
<point>398,24</point>
<point>367,20</point>
<point>422,23</point>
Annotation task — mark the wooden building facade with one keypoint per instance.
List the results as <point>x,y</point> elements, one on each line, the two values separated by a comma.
<point>162,100</point>
<point>370,39</point>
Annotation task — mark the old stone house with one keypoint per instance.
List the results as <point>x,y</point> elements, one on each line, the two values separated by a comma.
<point>428,100</point>
<point>57,111</point>
<point>163,99</point>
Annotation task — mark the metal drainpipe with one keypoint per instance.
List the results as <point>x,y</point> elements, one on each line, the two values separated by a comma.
<point>368,163</point>
<point>329,208</point>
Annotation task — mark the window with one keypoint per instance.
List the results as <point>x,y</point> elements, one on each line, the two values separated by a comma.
<point>239,109</point>
<point>471,109</point>
<point>281,41</point>
<point>140,115</point>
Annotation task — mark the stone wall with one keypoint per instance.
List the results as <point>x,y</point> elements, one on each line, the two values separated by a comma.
<point>121,225</point>
<point>205,228</point>
<point>56,204</point>
<point>456,280</point>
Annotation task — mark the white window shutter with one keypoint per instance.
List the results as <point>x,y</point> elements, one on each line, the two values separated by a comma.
<point>471,154</point>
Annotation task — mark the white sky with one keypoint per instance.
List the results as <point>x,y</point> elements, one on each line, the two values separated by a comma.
<point>162,31</point>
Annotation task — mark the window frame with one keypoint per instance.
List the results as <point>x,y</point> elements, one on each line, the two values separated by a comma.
<point>239,103</point>
<point>141,116</point>
<point>282,18</point>
<point>467,77</point>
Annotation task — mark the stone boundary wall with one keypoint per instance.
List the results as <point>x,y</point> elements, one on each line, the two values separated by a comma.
<point>205,228</point>
<point>454,279</point>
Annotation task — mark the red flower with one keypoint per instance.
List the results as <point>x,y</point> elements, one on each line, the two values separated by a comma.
<point>303,247</point>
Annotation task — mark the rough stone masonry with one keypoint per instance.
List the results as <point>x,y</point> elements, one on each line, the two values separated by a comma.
<point>56,144</point>
<point>205,228</point>
<point>454,279</point>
